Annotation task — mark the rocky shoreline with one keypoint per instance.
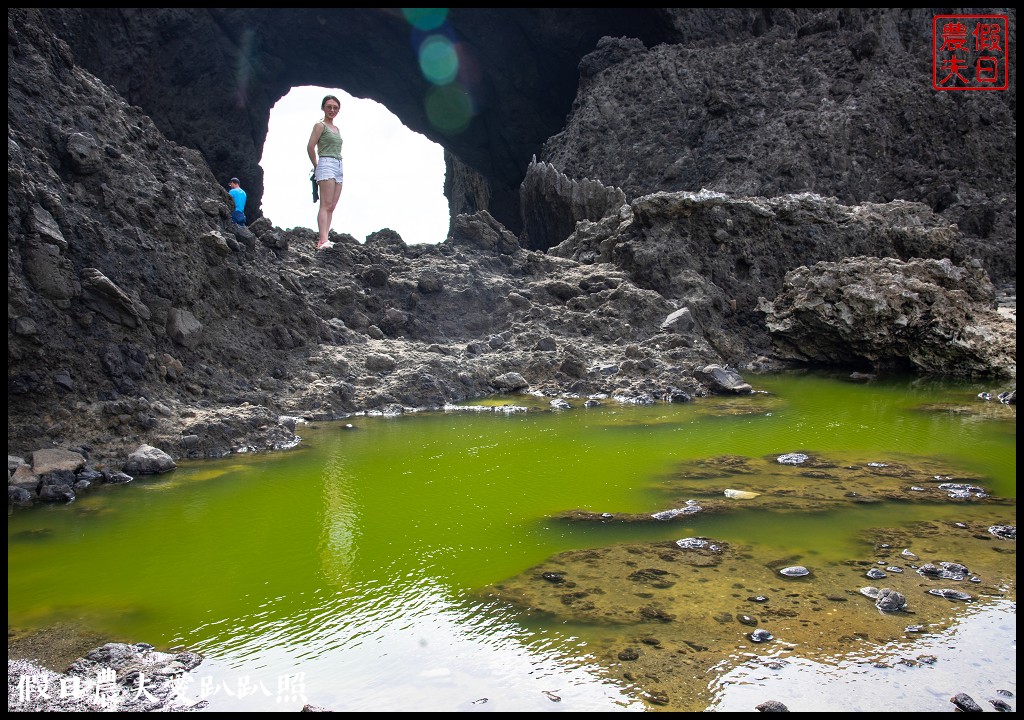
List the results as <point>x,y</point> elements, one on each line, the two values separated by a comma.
<point>555,328</point>
<point>140,315</point>
<point>114,677</point>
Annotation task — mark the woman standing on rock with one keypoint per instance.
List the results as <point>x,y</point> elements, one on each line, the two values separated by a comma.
<point>325,142</point>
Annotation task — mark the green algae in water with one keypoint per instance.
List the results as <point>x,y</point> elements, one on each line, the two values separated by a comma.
<point>359,558</point>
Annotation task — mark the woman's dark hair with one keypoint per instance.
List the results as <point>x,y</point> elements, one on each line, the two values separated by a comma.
<point>329,97</point>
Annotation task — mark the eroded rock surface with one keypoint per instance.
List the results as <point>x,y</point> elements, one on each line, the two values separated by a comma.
<point>917,316</point>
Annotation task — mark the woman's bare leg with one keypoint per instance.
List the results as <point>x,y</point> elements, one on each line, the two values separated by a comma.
<point>330,193</point>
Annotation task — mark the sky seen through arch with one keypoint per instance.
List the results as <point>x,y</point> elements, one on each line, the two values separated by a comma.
<point>394,177</point>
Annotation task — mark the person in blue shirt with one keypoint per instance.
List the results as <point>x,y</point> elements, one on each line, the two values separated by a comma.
<point>238,195</point>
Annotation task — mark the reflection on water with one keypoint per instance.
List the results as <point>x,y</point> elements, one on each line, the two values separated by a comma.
<point>349,572</point>
<point>340,520</point>
<point>409,646</point>
<point>920,677</point>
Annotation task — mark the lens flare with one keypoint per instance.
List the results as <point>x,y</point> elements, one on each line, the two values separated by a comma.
<point>425,18</point>
<point>449,104</point>
<point>449,108</point>
<point>439,61</point>
<point>244,70</point>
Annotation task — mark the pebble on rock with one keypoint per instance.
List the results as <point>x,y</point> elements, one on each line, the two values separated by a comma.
<point>794,571</point>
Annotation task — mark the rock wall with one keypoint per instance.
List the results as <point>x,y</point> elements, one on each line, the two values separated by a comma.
<point>835,102</point>
<point>551,204</point>
<point>915,316</point>
<point>747,101</point>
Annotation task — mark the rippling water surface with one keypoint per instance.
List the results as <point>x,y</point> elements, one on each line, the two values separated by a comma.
<point>345,573</point>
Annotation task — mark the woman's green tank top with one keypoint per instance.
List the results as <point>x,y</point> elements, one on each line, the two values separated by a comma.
<point>329,144</point>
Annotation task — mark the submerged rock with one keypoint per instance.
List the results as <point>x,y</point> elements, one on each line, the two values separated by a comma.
<point>951,594</point>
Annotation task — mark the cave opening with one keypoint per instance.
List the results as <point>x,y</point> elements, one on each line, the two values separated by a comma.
<point>394,177</point>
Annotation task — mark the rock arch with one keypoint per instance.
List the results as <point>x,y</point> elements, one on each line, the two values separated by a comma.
<point>209,77</point>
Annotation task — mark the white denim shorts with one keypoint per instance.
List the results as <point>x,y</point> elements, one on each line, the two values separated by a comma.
<point>328,168</point>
